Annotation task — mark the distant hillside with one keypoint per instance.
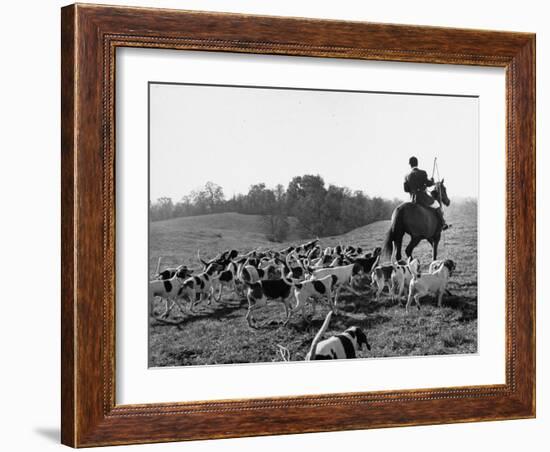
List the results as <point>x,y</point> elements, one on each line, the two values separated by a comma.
<point>229,220</point>
<point>178,239</point>
<point>367,237</point>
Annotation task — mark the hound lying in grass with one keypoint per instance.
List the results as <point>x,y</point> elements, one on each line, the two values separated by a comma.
<point>430,283</point>
<point>341,346</point>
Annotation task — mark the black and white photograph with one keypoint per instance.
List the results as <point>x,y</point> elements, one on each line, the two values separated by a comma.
<point>292,224</point>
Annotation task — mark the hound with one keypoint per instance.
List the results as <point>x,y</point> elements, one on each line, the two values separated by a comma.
<point>430,283</point>
<point>395,276</point>
<point>381,277</point>
<point>294,264</point>
<point>369,260</point>
<point>315,252</point>
<point>226,278</point>
<point>223,259</point>
<point>435,265</point>
<point>352,251</point>
<point>339,261</point>
<point>313,288</point>
<point>251,274</point>
<point>306,247</point>
<point>287,250</point>
<point>168,273</point>
<point>261,292</point>
<point>168,289</point>
<point>402,276</point>
<point>321,262</point>
<point>201,284</point>
<point>342,346</point>
<point>345,276</point>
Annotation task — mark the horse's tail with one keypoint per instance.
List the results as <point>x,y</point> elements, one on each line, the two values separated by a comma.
<point>387,249</point>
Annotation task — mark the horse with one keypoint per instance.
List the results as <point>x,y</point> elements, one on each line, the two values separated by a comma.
<point>420,222</point>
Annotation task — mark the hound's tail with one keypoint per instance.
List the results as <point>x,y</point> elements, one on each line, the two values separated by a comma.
<point>313,350</point>
<point>287,259</point>
<point>199,258</point>
<point>414,268</point>
<point>291,281</point>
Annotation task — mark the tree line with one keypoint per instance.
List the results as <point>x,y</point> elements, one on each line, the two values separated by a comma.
<point>307,204</point>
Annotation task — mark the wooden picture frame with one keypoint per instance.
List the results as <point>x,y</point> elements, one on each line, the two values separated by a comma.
<point>90,35</point>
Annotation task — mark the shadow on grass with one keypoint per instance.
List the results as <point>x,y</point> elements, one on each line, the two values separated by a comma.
<point>222,310</point>
<point>466,305</point>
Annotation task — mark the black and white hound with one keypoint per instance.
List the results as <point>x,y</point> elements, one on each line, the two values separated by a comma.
<point>345,276</point>
<point>261,292</point>
<point>341,346</point>
<point>201,284</point>
<point>395,276</point>
<point>430,283</point>
<point>168,273</point>
<point>227,278</point>
<point>316,289</point>
<point>168,289</point>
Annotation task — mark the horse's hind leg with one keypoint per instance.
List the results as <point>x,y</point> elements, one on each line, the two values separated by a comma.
<point>398,244</point>
<point>412,245</point>
<point>435,243</point>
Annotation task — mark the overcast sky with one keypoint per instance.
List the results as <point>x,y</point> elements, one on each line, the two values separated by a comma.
<point>239,136</point>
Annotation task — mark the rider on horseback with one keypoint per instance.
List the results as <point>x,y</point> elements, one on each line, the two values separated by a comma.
<point>416,183</point>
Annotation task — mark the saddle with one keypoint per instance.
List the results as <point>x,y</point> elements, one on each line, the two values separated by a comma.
<point>422,198</point>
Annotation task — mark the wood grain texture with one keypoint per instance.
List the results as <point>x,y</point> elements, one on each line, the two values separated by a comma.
<point>90,36</point>
<point>67,225</point>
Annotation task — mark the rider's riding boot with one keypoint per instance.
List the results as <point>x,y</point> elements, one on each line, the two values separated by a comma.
<point>444,225</point>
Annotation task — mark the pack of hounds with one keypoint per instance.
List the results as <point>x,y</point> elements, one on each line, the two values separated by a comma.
<point>300,276</point>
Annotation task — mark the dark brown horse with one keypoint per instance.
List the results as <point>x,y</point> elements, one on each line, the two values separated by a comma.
<point>420,222</point>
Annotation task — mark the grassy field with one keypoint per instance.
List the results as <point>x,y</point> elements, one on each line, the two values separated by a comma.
<point>219,334</point>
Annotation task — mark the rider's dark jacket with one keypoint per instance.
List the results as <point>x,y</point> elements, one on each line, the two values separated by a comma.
<point>416,183</point>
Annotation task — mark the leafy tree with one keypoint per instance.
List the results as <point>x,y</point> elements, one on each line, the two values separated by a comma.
<point>274,218</point>
<point>162,209</point>
<point>318,210</point>
<point>208,198</point>
<point>305,199</point>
